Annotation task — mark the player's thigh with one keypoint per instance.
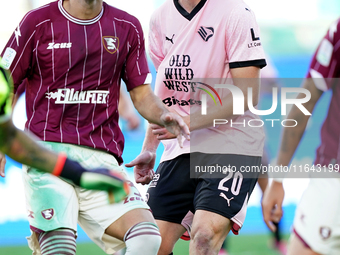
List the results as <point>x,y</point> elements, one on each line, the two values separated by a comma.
<point>171,192</point>
<point>317,217</point>
<point>298,247</point>
<point>227,196</point>
<point>51,202</point>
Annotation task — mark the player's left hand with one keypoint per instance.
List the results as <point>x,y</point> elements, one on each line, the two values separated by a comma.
<point>176,125</point>
<point>272,204</point>
<point>2,164</point>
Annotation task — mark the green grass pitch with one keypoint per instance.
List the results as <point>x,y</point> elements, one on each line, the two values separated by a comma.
<point>238,245</point>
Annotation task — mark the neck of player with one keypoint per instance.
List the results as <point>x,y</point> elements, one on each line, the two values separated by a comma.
<point>83,9</point>
<point>188,5</point>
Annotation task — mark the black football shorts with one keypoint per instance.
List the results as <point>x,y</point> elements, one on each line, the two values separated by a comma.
<point>173,190</point>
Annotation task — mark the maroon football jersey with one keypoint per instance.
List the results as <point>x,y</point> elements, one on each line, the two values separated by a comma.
<point>73,69</point>
<point>324,68</point>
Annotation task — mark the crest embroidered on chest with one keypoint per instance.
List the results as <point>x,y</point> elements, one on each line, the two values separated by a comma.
<point>111,43</point>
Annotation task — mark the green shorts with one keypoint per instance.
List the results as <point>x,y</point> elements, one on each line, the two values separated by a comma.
<point>53,203</point>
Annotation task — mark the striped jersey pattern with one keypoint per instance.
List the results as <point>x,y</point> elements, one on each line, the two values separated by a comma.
<point>72,69</point>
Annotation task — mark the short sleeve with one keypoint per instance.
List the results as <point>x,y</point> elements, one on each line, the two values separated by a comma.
<point>136,70</point>
<point>243,43</point>
<point>325,62</point>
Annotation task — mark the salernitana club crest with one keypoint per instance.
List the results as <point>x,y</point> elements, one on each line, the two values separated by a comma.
<point>111,43</point>
<point>48,213</point>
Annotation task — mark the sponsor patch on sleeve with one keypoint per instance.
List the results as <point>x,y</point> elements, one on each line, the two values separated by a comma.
<point>325,51</point>
<point>8,58</point>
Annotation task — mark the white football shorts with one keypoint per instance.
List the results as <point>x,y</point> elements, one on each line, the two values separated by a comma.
<point>317,217</point>
<point>53,203</point>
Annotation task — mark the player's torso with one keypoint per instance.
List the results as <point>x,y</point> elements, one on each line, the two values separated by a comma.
<point>73,85</point>
<point>73,53</point>
<point>196,55</point>
<point>193,49</point>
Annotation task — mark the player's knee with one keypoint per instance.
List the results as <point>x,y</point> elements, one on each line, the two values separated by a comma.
<point>143,238</point>
<point>59,241</point>
<point>203,237</point>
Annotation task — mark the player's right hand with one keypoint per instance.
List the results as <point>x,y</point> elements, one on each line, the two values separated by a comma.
<point>272,204</point>
<point>111,181</point>
<point>143,167</point>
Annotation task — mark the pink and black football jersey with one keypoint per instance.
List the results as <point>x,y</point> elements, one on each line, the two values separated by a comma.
<point>325,70</point>
<point>73,69</point>
<point>217,36</point>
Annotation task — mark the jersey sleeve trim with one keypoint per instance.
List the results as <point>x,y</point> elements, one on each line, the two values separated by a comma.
<point>258,62</point>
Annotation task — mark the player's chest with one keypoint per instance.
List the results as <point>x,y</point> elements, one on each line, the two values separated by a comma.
<point>69,43</point>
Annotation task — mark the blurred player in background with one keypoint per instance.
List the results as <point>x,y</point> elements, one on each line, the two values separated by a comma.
<point>22,148</point>
<point>127,111</point>
<point>73,54</point>
<point>201,39</point>
<point>317,219</point>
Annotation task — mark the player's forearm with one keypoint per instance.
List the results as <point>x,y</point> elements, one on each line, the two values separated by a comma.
<point>148,104</point>
<point>151,142</point>
<point>214,112</point>
<point>22,148</point>
<point>243,78</point>
<point>225,111</point>
<point>291,136</point>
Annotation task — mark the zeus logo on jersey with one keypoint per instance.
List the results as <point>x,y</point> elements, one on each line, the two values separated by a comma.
<point>59,45</point>
<point>69,96</point>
